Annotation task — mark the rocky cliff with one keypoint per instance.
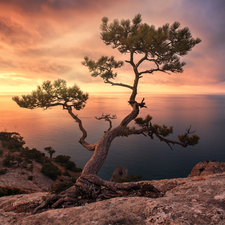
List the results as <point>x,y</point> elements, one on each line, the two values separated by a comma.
<point>192,200</point>
<point>24,171</point>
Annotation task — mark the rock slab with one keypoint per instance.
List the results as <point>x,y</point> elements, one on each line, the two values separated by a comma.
<point>192,200</point>
<point>207,168</point>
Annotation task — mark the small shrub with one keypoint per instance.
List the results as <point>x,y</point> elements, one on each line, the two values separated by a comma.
<point>50,170</point>
<point>19,159</point>
<point>3,171</point>
<point>70,166</point>
<point>62,186</point>
<point>7,190</point>
<point>30,177</point>
<point>11,140</point>
<point>32,154</point>
<point>62,159</point>
<point>66,173</point>
<point>8,160</point>
<point>78,170</point>
<point>48,161</point>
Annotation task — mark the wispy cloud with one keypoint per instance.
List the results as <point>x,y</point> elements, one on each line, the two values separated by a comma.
<point>48,39</point>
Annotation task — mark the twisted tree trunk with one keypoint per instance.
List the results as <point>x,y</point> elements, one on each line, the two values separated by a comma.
<point>100,153</point>
<point>102,147</point>
<point>89,187</point>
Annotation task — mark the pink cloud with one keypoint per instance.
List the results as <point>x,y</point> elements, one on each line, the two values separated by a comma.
<point>49,38</point>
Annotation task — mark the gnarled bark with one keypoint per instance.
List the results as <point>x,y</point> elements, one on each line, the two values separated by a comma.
<point>102,147</point>
<point>90,188</point>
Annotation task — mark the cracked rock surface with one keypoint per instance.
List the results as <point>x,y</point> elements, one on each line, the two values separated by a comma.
<point>192,200</point>
<point>18,177</point>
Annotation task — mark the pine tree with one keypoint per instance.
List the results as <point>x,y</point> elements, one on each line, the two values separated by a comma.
<point>161,47</point>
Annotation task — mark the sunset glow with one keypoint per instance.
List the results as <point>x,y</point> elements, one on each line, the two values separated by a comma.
<point>48,39</point>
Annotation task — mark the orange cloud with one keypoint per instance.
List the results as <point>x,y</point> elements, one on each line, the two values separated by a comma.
<point>48,39</point>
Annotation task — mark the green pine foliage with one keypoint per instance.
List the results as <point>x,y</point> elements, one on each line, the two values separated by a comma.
<point>50,170</point>
<point>190,140</point>
<point>64,160</point>
<point>11,140</point>
<point>32,154</point>
<point>143,122</point>
<point>159,48</point>
<point>8,161</point>
<point>103,67</point>
<point>163,44</point>
<point>51,94</point>
<point>66,173</point>
<point>50,150</point>
<point>163,130</point>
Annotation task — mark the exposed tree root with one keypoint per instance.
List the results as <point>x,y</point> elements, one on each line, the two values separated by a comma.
<point>91,188</point>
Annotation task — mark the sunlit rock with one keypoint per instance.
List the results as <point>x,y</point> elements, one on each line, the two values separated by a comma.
<point>207,168</point>
<point>120,173</point>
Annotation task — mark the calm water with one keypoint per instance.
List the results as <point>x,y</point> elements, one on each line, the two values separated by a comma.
<point>139,154</point>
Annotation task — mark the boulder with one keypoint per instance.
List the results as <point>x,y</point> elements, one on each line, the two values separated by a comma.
<point>207,168</point>
<point>119,173</point>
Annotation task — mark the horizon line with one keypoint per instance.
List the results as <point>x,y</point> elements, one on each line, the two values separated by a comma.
<point>125,92</point>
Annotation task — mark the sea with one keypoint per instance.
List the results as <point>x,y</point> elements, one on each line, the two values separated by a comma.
<point>151,159</point>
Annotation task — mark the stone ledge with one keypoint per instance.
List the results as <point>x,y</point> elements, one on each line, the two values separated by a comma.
<point>192,200</point>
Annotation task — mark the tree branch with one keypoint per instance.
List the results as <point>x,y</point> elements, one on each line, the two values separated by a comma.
<point>153,70</point>
<point>132,115</point>
<point>169,141</point>
<point>131,59</point>
<point>118,84</point>
<point>141,60</point>
<point>108,118</point>
<point>82,139</point>
<point>150,131</point>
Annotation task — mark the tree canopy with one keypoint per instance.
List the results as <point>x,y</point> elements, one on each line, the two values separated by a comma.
<point>51,94</point>
<point>161,48</point>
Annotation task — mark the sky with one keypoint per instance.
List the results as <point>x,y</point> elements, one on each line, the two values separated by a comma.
<point>48,39</point>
